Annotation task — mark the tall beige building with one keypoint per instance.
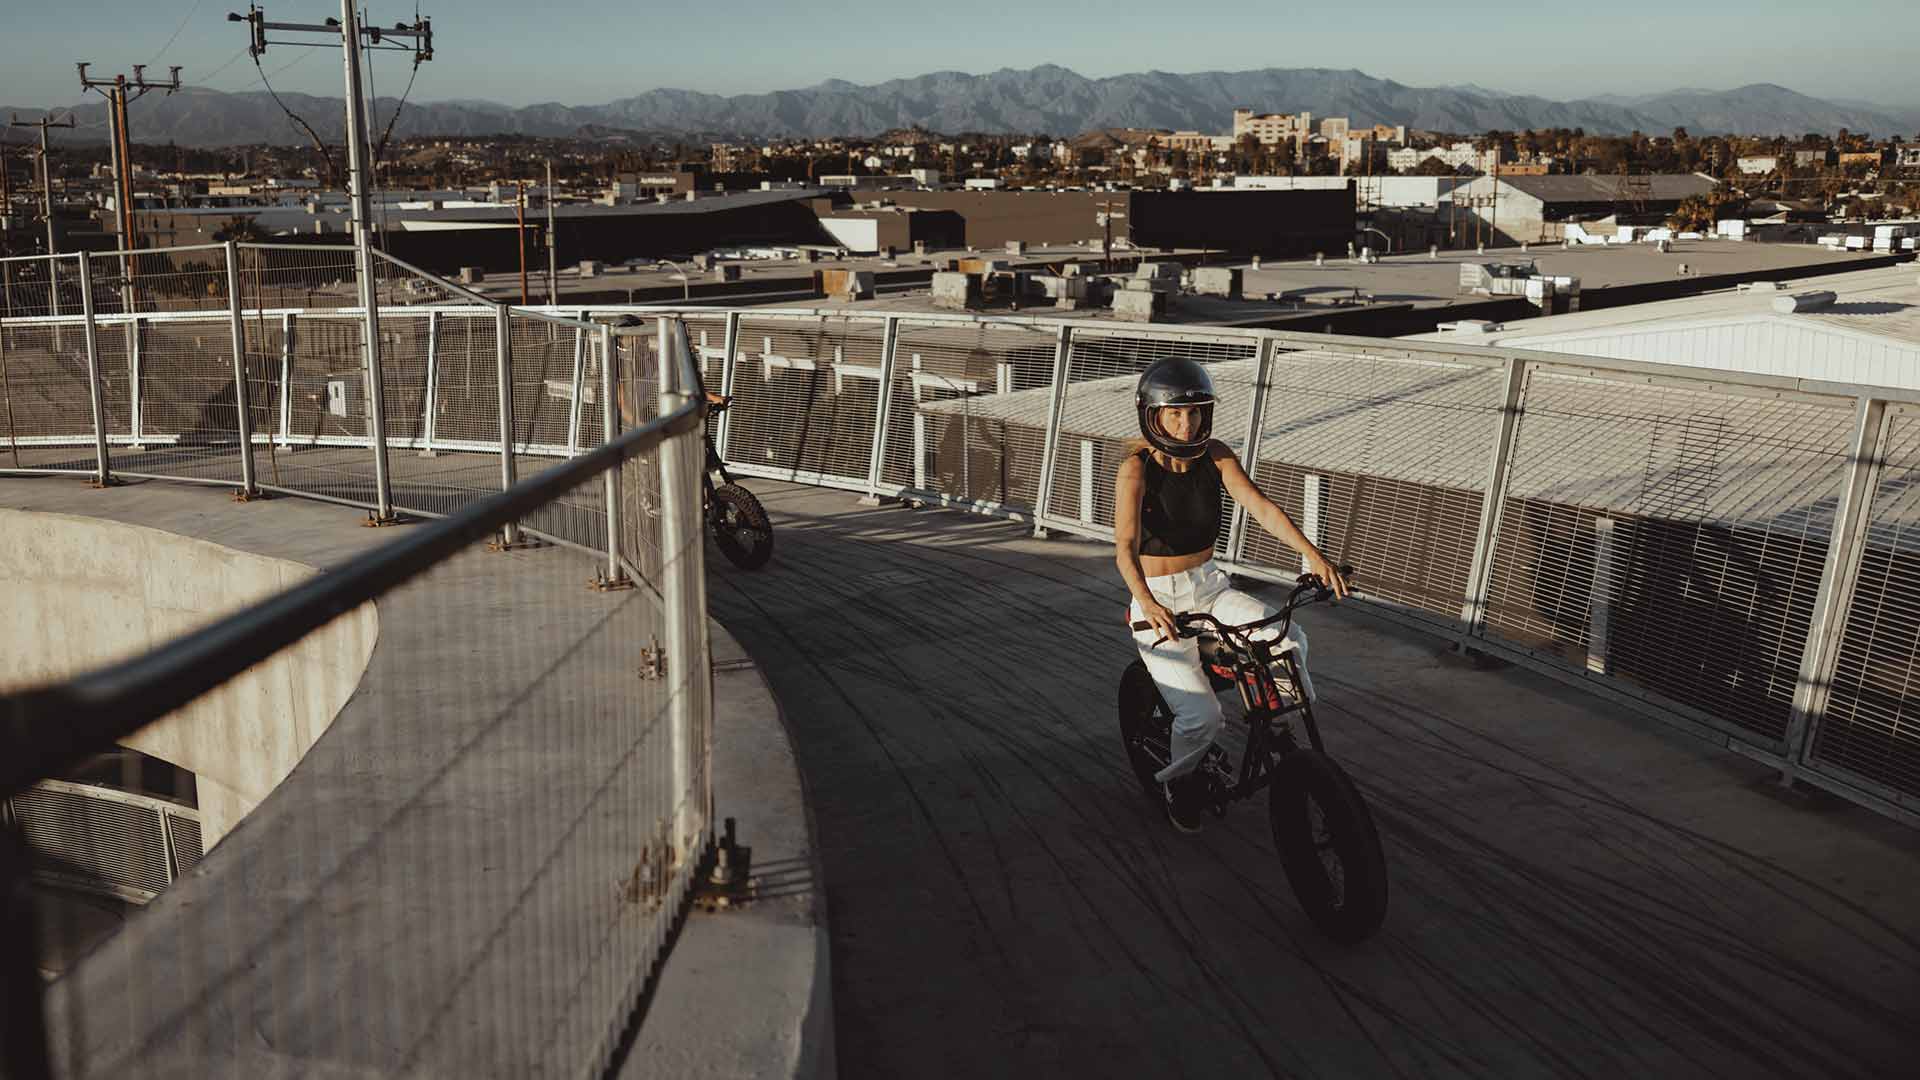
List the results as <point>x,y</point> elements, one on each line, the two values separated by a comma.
<point>1273,128</point>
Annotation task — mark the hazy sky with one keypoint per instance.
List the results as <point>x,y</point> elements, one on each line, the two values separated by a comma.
<point>586,52</point>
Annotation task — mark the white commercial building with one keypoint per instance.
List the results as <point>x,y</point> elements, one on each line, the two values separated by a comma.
<point>1861,327</point>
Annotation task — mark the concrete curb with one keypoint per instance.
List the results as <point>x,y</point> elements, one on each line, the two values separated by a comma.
<point>747,990</point>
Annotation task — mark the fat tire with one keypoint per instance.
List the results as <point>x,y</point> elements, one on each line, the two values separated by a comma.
<point>1362,907</point>
<point>1144,717</point>
<point>742,503</point>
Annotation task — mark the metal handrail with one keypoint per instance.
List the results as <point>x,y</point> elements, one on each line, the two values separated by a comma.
<point>452,287</point>
<point>46,730</point>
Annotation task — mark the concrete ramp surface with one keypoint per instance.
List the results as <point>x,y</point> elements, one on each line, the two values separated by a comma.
<point>1576,890</point>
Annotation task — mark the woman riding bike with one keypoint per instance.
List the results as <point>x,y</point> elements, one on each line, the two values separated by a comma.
<point>1166,521</point>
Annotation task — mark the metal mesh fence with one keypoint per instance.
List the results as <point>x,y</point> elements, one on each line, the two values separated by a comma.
<point>1670,536</point>
<point>805,390</point>
<point>967,416</point>
<point>47,413</point>
<point>512,824</point>
<point>1098,416</point>
<point>1381,460</point>
<point>38,285</point>
<point>189,407</point>
<point>1869,727</point>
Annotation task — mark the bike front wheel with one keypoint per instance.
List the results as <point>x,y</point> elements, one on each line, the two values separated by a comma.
<point>1329,846</point>
<point>740,527</point>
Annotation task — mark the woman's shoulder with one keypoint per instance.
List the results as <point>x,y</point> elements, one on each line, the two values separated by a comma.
<point>1218,452</point>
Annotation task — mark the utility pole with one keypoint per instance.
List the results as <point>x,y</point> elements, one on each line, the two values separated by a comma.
<point>46,208</point>
<point>1106,216</point>
<point>553,255</point>
<point>115,91</point>
<point>520,218</point>
<point>6,232</point>
<point>348,32</point>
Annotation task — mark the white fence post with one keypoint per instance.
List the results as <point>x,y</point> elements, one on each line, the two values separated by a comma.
<point>135,332</point>
<point>430,408</point>
<point>1838,576</point>
<point>287,332</point>
<point>683,574</point>
<point>732,350</point>
<point>1050,451</point>
<point>1479,575</point>
<point>503,355</point>
<point>882,400</point>
<point>243,421</point>
<point>616,575</point>
<point>1250,448</point>
<point>103,476</point>
<point>579,388</point>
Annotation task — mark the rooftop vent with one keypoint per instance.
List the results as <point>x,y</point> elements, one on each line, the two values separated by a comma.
<point>1806,301</point>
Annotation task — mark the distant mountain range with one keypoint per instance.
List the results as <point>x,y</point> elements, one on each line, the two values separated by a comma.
<point>1046,99</point>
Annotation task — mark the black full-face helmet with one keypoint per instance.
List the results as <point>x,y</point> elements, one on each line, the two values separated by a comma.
<point>1175,381</point>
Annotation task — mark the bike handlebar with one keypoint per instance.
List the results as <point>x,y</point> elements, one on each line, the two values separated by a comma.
<point>1191,622</point>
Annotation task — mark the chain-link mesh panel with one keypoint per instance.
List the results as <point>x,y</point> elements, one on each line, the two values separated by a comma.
<point>1670,537</point>
<point>1381,461</point>
<point>163,279</point>
<point>709,339</point>
<point>35,285</point>
<point>1098,416</point>
<point>805,391</point>
<point>46,415</point>
<point>514,823</point>
<point>403,364</point>
<point>467,394</point>
<point>324,402</point>
<point>542,373</point>
<point>641,505</point>
<point>308,278</point>
<point>188,402</point>
<point>1870,726</point>
<point>968,415</point>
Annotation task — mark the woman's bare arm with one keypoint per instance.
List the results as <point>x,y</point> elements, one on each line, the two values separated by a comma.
<point>1128,483</point>
<point>1271,517</point>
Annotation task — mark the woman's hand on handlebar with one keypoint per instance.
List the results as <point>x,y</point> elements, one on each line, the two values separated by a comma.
<point>1323,568</point>
<point>1162,620</point>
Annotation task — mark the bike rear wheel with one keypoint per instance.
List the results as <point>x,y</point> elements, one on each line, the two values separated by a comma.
<point>1329,846</point>
<point>740,527</point>
<point>1146,726</point>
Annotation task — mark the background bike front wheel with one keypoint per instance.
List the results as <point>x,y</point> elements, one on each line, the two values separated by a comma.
<point>1329,846</point>
<point>740,527</point>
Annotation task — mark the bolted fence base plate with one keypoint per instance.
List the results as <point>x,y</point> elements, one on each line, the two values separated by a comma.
<point>375,521</point>
<point>606,584</point>
<point>98,484</point>
<point>243,495</point>
<point>524,543</point>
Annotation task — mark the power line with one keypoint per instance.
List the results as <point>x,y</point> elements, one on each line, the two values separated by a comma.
<point>291,115</point>
<point>176,32</point>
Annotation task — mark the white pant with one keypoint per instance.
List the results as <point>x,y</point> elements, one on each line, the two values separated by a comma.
<point>1175,665</point>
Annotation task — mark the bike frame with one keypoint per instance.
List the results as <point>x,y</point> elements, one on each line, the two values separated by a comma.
<point>1252,662</point>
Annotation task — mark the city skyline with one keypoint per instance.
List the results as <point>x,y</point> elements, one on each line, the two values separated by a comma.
<point>491,51</point>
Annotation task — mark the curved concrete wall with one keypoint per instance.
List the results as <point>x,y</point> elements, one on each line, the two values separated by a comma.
<point>82,592</point>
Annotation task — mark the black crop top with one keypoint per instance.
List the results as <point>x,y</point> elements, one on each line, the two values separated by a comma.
<point>1179,511</point>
